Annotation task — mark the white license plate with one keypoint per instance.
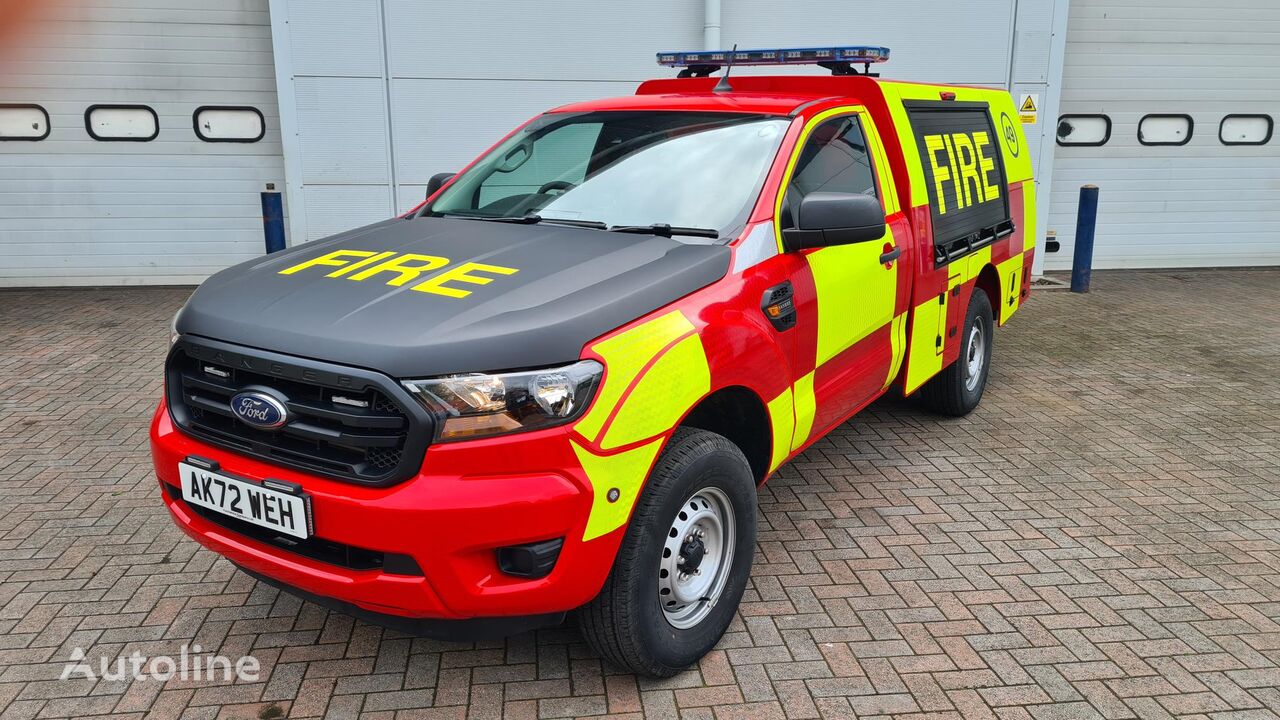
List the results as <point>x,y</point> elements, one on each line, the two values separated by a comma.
<point>247,501</point>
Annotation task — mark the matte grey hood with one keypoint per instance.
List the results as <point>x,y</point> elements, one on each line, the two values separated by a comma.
<point>570,286</point>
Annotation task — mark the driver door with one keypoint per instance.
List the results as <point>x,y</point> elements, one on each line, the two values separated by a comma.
<point>855,284</point>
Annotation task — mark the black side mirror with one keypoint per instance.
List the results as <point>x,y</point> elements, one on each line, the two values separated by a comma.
<point>830,218</point>
<point>437,181</point>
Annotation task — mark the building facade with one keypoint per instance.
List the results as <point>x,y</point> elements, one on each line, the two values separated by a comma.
<point>136,136</point>
<point>104,179</point>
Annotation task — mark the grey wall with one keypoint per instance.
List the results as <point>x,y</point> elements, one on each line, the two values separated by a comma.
<point>390,92</point>
<point>76,211</point>
<point>386,93</point>
<point>964,43</point>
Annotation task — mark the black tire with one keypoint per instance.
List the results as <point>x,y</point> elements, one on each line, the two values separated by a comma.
<point>626,623</point>
<point>955,391</point>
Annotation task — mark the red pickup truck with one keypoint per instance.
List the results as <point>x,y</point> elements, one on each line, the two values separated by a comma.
<point>557,384</point>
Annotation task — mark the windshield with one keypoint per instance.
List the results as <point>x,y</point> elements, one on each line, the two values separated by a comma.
<point>624,169</point>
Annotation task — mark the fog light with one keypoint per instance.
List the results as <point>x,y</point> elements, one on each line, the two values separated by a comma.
<point>534,560</point>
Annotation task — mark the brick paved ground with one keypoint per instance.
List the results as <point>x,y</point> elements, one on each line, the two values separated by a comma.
<point>1101,538</point>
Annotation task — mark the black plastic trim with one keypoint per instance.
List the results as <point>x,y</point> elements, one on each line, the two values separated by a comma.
<point>88,127</point>
<point>962,246</point>
<point>782,295</point>
<point>470,629</point>
<point>417,435</point>
<point>1271,126</point>
<point>195,123</point>
<point>1191,127</point>
<point>48,125</point>
<point>531,560</point>
<point>1105,137</point>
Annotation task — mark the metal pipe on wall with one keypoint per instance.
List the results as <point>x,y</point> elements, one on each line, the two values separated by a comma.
<point>711,25</point>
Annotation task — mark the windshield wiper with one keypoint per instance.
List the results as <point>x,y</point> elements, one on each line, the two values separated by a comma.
<point>593,224</point>
<point>520,220</point>
<point>530,220</point>
<point>665,230</point>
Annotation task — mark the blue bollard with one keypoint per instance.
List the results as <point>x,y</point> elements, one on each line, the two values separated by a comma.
<point>1082,259</point>
<point>273,220</point>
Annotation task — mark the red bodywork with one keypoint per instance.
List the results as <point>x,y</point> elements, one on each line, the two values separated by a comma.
<point>473,497</point>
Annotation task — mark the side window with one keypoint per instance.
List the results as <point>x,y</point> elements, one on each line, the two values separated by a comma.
<point>229,124</point>
<point>135,123</point>
<point>23,122</point>
<point>1245,129</point>
<point>1165,129</point>
<point>834,159</point>
<point>1084,130</point>
<point>562,154</point>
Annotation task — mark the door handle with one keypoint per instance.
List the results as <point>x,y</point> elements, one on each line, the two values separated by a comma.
<point>890,256</point>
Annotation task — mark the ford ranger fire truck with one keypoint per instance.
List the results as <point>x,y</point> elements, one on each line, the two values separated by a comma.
<point>556,385</point>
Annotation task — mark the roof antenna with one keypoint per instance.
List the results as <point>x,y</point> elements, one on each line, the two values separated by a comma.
<point>723,86</point>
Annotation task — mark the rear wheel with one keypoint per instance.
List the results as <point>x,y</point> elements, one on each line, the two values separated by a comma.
<point>684,561</point>
<point>957,390</point>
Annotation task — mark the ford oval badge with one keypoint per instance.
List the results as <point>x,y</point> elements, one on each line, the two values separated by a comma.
<point>260,410</point>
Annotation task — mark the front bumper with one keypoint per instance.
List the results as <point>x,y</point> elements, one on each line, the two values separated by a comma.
<point>468,500</point>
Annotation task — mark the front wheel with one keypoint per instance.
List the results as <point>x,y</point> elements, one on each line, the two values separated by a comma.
<point>684,561</point>
<point>957,390</point>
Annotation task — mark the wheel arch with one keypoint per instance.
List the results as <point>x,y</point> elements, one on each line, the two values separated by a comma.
<point>737,413</point>
<point>988,281</point>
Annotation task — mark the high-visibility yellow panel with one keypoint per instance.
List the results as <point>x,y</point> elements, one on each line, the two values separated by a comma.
<point>667,390</point>
<point>782,420</point>
<point>625,472</point>
<point>1010,272</point>
<point>624,356</point>
<point>924,356</point>
<point>888,192</point>
<point>973,264</point>
<point>805,408</point>
<point>677,378</point>
<point>855,294</point>
<point>902,125</point>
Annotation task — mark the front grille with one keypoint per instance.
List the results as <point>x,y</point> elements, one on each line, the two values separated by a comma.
<point>344,423</point>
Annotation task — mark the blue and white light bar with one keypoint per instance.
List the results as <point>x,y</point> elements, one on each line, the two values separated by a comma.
<point>861,54</point>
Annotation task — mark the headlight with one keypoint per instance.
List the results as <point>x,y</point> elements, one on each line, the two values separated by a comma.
<point>477,405</point>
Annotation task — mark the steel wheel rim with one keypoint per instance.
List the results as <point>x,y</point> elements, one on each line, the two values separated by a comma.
<point>705,518</point>
<point>977,355</point>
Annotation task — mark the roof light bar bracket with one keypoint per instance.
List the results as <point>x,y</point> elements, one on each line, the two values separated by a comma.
<point>847,68</point>
<point>696,71</point>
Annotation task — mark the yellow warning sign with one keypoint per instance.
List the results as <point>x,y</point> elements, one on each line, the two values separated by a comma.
<point>1027,108</point>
